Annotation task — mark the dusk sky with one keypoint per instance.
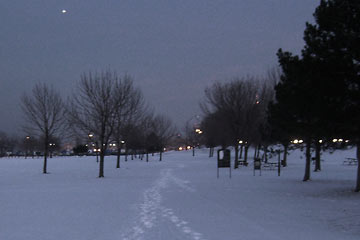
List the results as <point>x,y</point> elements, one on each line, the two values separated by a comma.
<point>173,49</point>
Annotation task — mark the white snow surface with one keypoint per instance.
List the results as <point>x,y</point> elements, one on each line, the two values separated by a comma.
<point>178,198</point>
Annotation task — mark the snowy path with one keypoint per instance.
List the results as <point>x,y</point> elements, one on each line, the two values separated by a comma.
<point>154,214</point>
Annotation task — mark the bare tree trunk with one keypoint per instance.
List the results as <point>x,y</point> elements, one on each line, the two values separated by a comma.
<point>210,152</point>
<point>241,150</point>
<point>286,145</point>
<point>160,156</point>
<point>256,147</point>
<point>258,151</point>
<point>308,160</point>
<point>45,156</point>
<point>265,153</point>
<point>101,167</point>
<point>317,156</point>
<point>246,153</point>
<point>357,188</point>
<point>236,163</point>
<point>118,157</point>
<point>193,151</point>
<point>147,156</point>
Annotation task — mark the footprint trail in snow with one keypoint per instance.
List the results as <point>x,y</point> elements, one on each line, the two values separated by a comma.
<point>152,210</point>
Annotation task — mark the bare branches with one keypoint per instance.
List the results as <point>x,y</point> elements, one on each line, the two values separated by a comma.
<point>240,105</point>
<point>44,114</point>
<point>93,108</point>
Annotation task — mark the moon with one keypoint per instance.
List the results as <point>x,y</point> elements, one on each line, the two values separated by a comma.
<point>64,11</point>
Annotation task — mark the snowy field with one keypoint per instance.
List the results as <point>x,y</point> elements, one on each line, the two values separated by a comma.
<point>179,198</point>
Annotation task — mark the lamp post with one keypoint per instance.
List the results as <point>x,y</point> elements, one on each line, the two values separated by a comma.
<point>197,133</point>
<point>27,145</point>
<point>96,150</point>
<point>51,148</point>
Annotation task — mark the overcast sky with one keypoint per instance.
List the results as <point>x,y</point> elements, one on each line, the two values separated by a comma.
<point>172,48</point>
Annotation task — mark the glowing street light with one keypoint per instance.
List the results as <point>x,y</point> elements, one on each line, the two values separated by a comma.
<point>297,141</point>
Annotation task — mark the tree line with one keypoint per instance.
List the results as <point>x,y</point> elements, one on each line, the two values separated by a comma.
<point>104,108</point>
<point>314,96</point>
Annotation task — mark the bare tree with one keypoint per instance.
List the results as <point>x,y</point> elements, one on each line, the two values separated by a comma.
<point>129,109</point>
<point>44,114</point>
<point>265,95</point>
<point>7,144</point>
<point>215,131</point>
<point>236,103</point>
<point>164,130</point>
<point>93,107</point>
<point>149,137</point>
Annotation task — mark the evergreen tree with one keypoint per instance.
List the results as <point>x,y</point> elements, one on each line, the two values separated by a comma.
<point>295,110</point>
<point>333,43</point>
<point>318,95</point>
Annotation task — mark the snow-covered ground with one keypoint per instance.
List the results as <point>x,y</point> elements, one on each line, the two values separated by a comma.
<point>178,198</point>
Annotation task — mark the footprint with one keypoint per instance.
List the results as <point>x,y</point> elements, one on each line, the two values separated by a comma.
<point>186,230</point>
<point>174,219</point>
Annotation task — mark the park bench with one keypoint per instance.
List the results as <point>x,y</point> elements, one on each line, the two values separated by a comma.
<point>242,162</point>
<point>350,161</point>
<point>270,165</point>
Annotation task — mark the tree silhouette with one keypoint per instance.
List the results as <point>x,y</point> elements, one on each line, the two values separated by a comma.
<point>44,114</point>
